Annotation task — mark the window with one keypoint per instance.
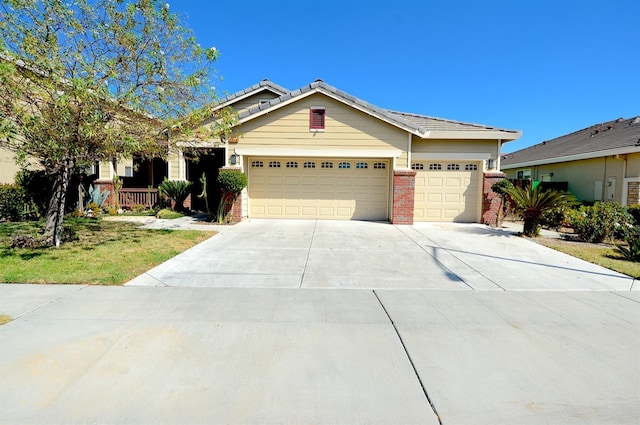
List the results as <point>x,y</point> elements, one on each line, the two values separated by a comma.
<point>344,165</point>
<point>435,167</point>
<point>309,164</point>
<point>379,166</point>
<point>257,164</point>
<point>292,164</point>
<point>470,167</point>
<point>453,167</point>
<point>128,171</point>
<point>316,119</point>
<point>524,174</point>
<point>362,165</point>
<point>417,166</point>
<point>274,164</point>
<point>327,165</point>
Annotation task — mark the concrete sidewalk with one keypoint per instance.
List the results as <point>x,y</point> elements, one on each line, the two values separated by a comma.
<point>136,355</point>
<point>370,255</point>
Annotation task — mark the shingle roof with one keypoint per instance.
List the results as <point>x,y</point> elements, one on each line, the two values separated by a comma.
<point>262,85</point>
<point>597,140</point>
<point>442,124</point>
<point>414,123</point>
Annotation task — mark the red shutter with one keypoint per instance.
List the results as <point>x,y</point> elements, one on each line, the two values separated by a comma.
<point>316,119</point>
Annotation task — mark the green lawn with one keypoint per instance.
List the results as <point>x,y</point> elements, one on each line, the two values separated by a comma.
<point>604,255</point>
<point>107,252</point>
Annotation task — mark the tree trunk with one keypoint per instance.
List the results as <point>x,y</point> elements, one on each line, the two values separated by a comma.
<point>530,226</point>
<point>55,213</point>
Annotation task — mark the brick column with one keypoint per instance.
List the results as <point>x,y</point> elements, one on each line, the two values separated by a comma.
<point>404,182</point>
<point>106,184</point>
<point>633,193</point>
<point>490,199</point>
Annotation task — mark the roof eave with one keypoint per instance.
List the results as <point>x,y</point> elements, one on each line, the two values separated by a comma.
<point>503,135</point>
<point>578,157</point>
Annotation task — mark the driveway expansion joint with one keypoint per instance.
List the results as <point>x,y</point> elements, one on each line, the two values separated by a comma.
<point>306,259</point>
<point>406,352</point>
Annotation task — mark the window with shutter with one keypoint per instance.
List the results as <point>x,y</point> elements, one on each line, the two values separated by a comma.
<point>316,119</point>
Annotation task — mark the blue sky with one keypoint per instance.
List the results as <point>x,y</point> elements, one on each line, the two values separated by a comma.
<point>545,67</point>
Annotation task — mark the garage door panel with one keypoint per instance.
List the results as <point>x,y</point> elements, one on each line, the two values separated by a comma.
<point>328,193</point>
<point>447,195</point>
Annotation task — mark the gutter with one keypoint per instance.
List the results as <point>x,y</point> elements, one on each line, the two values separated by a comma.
<point>567,158</point>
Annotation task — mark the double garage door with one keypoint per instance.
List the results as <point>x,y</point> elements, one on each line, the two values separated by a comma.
<point>447,191</point>
<point>324,188</point>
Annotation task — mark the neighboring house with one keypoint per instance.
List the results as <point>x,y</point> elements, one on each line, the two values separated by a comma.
<point>600,163</point>
<point>318,152</point>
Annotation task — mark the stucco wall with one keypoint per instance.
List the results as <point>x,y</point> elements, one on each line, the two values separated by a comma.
<point>8,167</point>
<point>345,128</point>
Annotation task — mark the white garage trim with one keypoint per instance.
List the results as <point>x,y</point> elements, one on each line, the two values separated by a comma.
<point>325,153</point>
<point>319,188</point>
<point>454,156</point>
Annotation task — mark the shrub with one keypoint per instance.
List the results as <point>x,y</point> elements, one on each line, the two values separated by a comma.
<point>632,249</point>
<point>532,202</point>
<point>15,205</point>
<point>96,196</point>
<point>602,221</point>
<point>168,214</point>
<point>138,208</point>
<point>177,191</point>
<point>232,181</point>
<point>634,210</point>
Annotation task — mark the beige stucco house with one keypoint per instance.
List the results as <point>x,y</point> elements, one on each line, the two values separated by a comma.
<point>318,152</point>
<point>600,163</point>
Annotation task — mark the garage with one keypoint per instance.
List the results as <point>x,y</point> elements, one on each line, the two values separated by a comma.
<point>447,191</point>
<point>318,188</point>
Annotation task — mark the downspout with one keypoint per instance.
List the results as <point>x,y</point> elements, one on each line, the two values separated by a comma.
<point>625,184</point>
<point>409,151</point>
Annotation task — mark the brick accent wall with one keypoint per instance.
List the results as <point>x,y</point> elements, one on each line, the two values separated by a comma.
<point>404,188</point>
<point>490,199</point>
<point>105,184</point>
<point>233,213</point>
<point>633,193</point>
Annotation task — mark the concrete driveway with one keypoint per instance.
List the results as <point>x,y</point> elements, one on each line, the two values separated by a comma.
<point>355,254</point>
<point>253,327</point>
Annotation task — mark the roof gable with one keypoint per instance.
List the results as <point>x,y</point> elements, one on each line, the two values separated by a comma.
<point>612,137</point>
<point>419,125</point>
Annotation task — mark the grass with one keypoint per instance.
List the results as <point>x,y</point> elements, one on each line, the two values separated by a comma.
<point>106,253</point>
<point>4,319</point>
<point>604,255</point>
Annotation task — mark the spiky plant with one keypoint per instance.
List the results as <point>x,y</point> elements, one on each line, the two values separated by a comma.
<point>632,250</point>
<point>533,202</point>
<point>177,191</point>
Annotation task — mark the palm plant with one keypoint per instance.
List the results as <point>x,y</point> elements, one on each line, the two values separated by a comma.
<point>177,191</point>
<point>532,202</point>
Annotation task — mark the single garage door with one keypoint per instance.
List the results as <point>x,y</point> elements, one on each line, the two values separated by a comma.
<point>324,188</point>
<point>447,191</point>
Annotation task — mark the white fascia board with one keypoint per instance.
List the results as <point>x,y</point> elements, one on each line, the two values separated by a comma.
<point>588,155</point>
<point>325,153</point>
<point>461,156</point>
<point>472,134</point>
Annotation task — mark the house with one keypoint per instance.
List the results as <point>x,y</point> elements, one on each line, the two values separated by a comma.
<point>318,152</point>
<point>599,163</point>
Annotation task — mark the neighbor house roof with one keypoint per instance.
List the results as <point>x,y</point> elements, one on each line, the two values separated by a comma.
<point>420,125</point>
<point>264,85</point>
<point>620,136</point>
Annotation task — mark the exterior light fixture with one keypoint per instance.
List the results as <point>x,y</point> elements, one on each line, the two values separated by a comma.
<point>235,159</point>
